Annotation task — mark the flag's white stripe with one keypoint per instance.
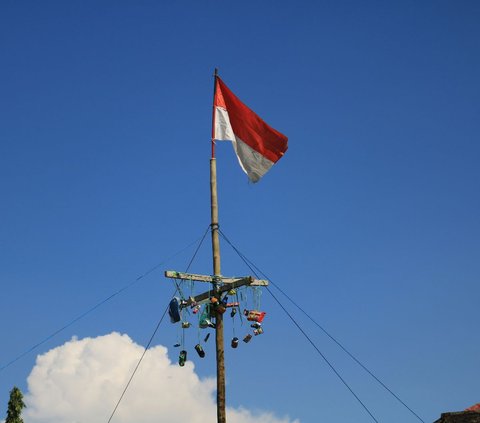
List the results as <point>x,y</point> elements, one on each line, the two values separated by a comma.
<point>252,162</point>
<point>223,128</point>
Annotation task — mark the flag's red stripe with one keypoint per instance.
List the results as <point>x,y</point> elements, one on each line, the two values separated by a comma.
<point>249,127</point>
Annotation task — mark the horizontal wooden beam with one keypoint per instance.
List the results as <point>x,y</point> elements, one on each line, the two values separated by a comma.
<point>232,281</point>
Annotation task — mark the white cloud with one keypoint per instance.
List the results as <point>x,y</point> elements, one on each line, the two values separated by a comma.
<point>81,381</point>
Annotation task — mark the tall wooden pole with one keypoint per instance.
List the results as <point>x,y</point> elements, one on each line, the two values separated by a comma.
<point>220,349</point>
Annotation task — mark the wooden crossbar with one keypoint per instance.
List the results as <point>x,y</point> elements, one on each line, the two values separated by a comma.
<point>234,281</point>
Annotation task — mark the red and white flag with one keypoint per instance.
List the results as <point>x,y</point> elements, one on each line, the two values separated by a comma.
<point>258,146</point>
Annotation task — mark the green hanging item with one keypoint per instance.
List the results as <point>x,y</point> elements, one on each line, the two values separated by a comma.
<point>205,321</point>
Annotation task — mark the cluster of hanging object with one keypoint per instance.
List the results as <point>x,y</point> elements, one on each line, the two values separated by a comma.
<point>206,312</point>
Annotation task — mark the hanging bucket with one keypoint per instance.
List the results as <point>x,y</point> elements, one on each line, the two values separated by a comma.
<point>234,342</point>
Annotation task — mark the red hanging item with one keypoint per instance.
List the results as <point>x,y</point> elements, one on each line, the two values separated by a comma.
<point>254,315</point>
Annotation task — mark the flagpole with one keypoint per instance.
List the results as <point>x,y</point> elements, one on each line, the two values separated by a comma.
<point>219,340</point>
<point>215,75</point>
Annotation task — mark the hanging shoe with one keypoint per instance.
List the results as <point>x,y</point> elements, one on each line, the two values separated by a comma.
<point>199,350</point>
<point>182,358</point>
<point>247,338</point>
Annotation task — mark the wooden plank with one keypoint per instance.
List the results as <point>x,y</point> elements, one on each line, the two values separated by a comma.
<point>188,276</point>
<point>234,281</point>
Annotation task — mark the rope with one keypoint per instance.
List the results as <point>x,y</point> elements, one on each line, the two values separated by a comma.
<point>99,304</point>
<point>323,356</point>
<point>303,332</point>
<point>198,248</point>
<point>250,264</point>
<point>348,353</point>
<point>178,285</point>
<point>139,361</point>
<point>155,331</point>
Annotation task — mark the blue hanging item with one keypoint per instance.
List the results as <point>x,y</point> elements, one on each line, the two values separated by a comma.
<point>174,310</point>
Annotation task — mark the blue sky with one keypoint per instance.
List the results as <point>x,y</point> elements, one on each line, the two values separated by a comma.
<point>370,221</point>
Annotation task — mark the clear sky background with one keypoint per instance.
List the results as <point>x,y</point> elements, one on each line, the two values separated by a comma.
<point>370,221</point>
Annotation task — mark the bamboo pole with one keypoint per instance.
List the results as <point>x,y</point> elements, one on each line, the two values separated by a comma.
<point>219,341</point>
